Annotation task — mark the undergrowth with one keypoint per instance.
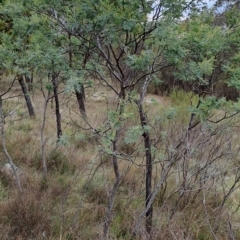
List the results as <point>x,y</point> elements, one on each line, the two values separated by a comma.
<point>71,203</point>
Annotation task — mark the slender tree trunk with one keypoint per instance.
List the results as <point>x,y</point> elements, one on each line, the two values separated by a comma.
<point>112,194</point>
<point>80,99</point>
<point>26,96</point>
<point>5,149</point>
<point>147,144</point>
<point>43,142</point>
<point>57,107</point>
<point>118,178</point>
<point>80,95</point>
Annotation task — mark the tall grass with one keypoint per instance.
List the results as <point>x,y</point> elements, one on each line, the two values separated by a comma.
<point>72,203</point>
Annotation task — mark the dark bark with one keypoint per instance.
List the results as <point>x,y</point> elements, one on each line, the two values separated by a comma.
<point>29,81</point>
<point>26,96</point>
<point>122,93</point>
<point>57,107</point>
<point>80,99</point>
<point>80,95</point>
<point>147,144</point>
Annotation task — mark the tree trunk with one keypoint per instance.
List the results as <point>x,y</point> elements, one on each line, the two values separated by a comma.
<point>80,99</point>
<point>118,178</point>
<point>112,194</point>
<point>43,142</point>
<point>29,81</point>
<point>80,95</point>
<point>57,107</point>
<point>26,96</point>
<point>147,144</point>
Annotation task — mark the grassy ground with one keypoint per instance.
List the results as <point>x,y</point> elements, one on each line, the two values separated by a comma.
<point>72,203</point>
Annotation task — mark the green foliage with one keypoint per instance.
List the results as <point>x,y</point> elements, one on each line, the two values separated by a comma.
<point>171,113</point>
<point>206,106</point>
<point>114,119</point>
<point>74,83</point>
<point>64,140</point>
<point>140,62</point>
<point>133,134</point>
<point>49,87</point>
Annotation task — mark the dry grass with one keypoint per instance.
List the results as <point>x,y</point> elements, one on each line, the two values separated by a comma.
<point>72,203</point>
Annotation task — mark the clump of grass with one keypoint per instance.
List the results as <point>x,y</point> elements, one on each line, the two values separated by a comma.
<point>59,162</point>
<point>95,191</point>
<point>182,98</point>
<point>182,101</point>
<point>25,127</point>
<point>27,216</point>
<point>123,221</point>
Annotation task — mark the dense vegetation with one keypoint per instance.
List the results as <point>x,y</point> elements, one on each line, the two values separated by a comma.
<point>119,119</point>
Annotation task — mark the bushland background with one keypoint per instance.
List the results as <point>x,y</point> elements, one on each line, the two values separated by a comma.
<point>119,119</point>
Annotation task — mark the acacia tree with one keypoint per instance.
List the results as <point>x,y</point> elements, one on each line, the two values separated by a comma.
<point>202,62</point>
<point>120,31</point>
<point>51,66</point>
<point>37,50</point>
<point>117,44</point>
<point>15,33</point>
<point>66,18</point>
<point>117,35</point>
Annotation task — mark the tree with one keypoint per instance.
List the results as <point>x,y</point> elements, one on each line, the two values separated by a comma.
<point>114,35</point>
<point>15,34</point>
<point>120,32</point>
<point>124,47</point>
